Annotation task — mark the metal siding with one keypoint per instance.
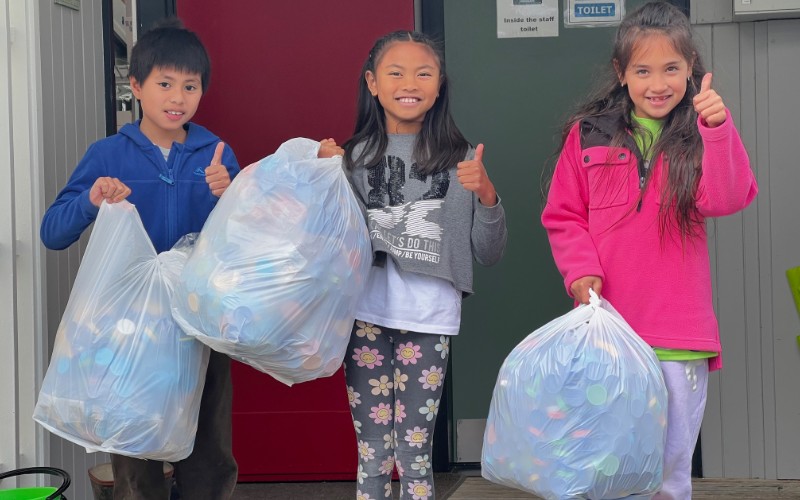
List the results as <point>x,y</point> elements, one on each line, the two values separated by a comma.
<point>73,92</point>
<point>760,157</point>
<point>729,291</point>
<point>784,73</point>
<point>757,390</point>
<point>711,434</point>
<point>756,68</point>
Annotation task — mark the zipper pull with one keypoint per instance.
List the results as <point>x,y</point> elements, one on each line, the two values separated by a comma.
<point>166,179</point>
<point>641,194</point>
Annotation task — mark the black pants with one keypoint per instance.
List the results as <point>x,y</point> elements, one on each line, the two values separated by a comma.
<point>210,472</point>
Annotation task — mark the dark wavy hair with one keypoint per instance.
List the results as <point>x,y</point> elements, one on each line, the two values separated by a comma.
<point>680,141</point>
<point>439,145</point>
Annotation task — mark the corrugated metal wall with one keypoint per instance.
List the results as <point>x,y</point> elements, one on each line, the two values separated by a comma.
<point>71,48</point>
<point>752,424</point>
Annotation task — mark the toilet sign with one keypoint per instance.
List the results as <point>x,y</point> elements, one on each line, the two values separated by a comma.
<point>594,12</point>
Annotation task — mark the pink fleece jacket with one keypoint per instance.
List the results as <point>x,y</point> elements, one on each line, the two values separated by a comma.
<point>660,286</point>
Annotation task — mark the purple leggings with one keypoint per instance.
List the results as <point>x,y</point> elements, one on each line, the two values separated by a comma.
<point>687,385</point>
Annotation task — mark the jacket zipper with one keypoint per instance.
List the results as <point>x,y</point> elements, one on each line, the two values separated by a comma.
<point>169,179</point>
<point>641,170</point>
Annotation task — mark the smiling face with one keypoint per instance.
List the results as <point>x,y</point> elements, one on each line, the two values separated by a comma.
<point>406,82</point>
<point>169,99</point>
<point>656,76</point>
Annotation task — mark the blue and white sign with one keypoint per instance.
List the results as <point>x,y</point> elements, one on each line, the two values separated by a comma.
<point>594,12</point>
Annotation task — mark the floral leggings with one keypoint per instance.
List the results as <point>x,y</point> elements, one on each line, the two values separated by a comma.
<point>394,382</point>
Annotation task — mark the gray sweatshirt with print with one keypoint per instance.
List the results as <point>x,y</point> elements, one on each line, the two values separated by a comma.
<point>428,224</point>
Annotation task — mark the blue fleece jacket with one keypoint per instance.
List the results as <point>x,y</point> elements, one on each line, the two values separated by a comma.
<point>171,196</point>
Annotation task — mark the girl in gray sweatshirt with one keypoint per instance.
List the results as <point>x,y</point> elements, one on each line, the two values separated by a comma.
<point>430,208</point>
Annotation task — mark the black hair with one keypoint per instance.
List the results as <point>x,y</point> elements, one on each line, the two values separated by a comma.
<point>439,145</point>
<point>680,140</point>
<point>170,45</point>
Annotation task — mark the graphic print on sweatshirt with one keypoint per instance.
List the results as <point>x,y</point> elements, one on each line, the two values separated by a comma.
<point>404,210</point>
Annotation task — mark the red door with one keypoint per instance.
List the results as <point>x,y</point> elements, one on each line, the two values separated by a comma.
<point>283,70</point>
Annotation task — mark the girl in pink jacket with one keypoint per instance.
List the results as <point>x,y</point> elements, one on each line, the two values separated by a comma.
<point>642,165</point>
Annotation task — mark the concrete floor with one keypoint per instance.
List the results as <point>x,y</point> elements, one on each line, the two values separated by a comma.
<point>445,483</point>
<point>468,485</point>
<point>477,488</point>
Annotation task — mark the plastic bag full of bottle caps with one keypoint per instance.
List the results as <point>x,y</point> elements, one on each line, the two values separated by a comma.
<point>578,411</point>
<point>123,378</point>
<point>278,267</point>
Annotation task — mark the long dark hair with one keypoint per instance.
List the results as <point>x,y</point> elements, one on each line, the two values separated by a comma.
<point>439,144</point>
<point>680,141</point>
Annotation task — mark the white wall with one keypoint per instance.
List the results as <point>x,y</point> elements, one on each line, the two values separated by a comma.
<point>51,109</point>
<point>22,351</point>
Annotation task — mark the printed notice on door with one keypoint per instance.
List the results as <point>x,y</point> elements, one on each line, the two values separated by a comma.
<point>527,18</point>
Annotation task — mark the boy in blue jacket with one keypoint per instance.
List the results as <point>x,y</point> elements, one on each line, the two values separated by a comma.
<point>174,172</point>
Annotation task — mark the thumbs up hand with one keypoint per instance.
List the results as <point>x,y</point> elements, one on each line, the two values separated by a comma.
<point>472,175</point>
<point>709,105</point>
<point>217,176</point>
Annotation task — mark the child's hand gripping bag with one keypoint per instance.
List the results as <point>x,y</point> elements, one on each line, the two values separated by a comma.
<point>579,410</point>
<point>123,377</point>
<point>278,267</point>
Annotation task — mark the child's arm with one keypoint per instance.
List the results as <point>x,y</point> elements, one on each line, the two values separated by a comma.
<point>566,218</point>
<point>489,232</point>
<point>727,184</point>
<point>77,204</point>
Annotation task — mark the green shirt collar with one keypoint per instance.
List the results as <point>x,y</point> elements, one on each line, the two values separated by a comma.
<point>645,139</point>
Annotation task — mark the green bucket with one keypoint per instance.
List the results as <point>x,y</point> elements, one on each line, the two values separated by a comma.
<point>40,493</point>
<point>793,276</point>
<point>36,493</point>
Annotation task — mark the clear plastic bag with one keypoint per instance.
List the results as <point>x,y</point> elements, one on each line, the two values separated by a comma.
<point>123,378</point>
<point>278,267</point>
<point>579,411</point>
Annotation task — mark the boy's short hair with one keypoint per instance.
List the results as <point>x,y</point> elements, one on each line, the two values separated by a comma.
<point>170,45</point>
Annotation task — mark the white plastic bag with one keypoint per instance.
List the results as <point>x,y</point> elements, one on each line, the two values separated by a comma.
<point>123,377</point>
<point>278,267</point>
<point>579,411</point>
